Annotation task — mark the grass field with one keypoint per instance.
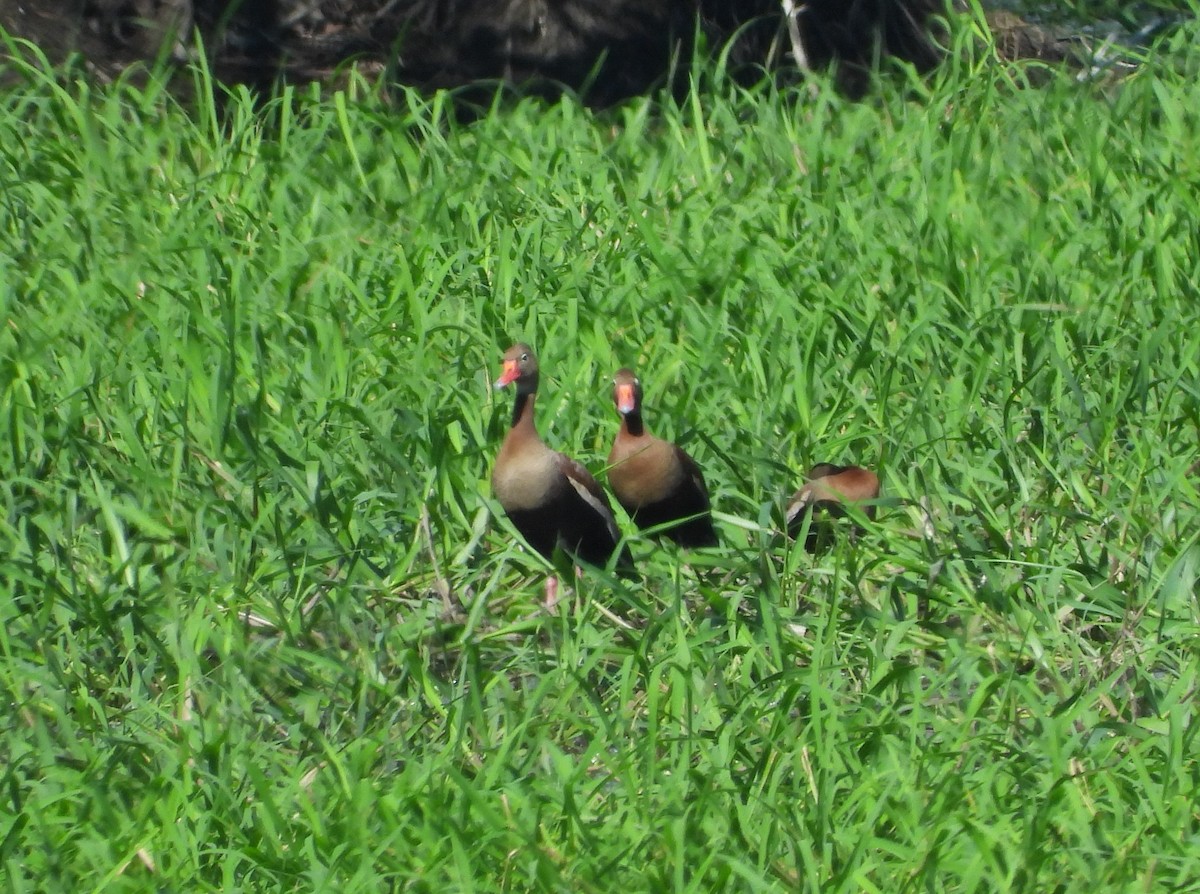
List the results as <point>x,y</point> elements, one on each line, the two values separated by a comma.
<point>264,630</point>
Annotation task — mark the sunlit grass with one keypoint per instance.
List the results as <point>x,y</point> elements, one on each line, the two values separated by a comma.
<point>265,631</point>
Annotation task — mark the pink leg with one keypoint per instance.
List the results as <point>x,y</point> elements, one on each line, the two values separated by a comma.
<point>551,591</point>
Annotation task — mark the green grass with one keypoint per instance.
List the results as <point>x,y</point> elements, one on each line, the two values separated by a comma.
<point>264,630</point>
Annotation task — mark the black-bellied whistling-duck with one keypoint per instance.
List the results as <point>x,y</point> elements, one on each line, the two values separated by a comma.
<point>551,499</point>
<point>655,481</point>
<point>829,489</point>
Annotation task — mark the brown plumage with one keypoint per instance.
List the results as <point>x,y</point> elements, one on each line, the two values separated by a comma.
<point>654,480</point>
<point>550,498</point>
<point>829,489</point>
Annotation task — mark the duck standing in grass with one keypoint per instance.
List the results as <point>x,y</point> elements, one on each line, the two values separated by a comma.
<point>829,489</point>
<point>550,498</point>
<point>655,481</point>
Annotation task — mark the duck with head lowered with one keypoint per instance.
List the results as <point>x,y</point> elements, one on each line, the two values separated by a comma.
<point>552,500</point>
<point>829,489</point>
<point>656,481</point>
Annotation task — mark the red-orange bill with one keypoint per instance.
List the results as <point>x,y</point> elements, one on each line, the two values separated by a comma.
<point>625,401</point>
<point>509,374</point>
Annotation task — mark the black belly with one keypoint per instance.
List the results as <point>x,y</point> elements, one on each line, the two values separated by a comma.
<point>688,504</point>
<point>570,522</point>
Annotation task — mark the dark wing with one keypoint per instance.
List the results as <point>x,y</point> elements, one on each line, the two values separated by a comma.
<point>692,502</point>
<point>589,527</point>
<point>695,478</point>
<point>590,491</point>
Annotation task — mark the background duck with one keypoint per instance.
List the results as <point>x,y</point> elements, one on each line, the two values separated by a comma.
<point>828,489</point>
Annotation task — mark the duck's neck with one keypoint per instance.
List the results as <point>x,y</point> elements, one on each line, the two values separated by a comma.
<point>522,415</point>
<point>632,423</point>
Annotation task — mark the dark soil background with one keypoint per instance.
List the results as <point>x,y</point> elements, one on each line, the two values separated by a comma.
<point>609,49</point>
<point>605,49</point>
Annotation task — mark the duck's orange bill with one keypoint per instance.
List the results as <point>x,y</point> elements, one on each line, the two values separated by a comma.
<point>625,400</point>
<point>508,374</point>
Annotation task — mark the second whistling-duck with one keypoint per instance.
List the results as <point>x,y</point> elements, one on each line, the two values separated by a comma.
<point>551,499</point>
<point>829,489</point>
<point>655,481</point>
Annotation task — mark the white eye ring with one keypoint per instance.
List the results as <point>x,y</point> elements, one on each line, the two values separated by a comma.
<point>524,357</point>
